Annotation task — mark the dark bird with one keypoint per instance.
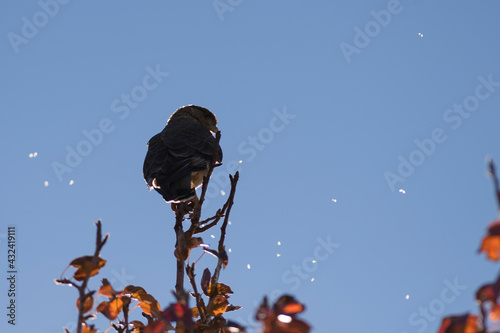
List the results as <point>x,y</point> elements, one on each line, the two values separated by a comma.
<point>179,156</point>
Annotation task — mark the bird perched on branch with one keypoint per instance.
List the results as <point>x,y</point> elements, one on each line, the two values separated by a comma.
<point>179,156</point>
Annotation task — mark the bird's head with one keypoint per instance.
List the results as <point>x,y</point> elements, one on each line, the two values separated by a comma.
<point>200,114</point>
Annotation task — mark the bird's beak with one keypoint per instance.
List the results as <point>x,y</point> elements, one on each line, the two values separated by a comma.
<point>214,129</point>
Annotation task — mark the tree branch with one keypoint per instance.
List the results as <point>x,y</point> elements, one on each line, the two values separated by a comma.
<point>82,287</point>
<point>200,304</point>
<point>184,238</point>
<point>221,248</point>
<point>492,171</point>
<point>180,247</point>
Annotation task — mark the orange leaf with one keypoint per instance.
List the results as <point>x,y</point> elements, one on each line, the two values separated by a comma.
<point>466,323</point>
<point>106,289</point>
<point>87,305</point>
<point>147,302</point>
<point>137,326</point>
<point>111,309</point>
<point>195,312</point>
<point>134,290</point>
<point>491,242</point>
<point>491,245</point>
<point>495,312</point>
<point>86,267</point>
<point>281,318</point>
<point>88,329</point>
<point>149,305</point>
<point>219,289</point>
<point>288,305</point>
<point>217,304</point>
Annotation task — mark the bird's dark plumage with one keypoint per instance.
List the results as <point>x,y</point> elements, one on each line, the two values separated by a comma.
<point>179,156</point>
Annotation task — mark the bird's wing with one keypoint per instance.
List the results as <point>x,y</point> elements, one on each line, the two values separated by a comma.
<point>190,147</point>
<point>155,159</point>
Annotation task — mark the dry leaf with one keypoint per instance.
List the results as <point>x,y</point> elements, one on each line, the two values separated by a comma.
<point>87,305</point>
<point>110,309</point>
<point>86,267</point>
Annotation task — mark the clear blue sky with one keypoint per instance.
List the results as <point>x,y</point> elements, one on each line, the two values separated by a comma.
<point>319,100</point>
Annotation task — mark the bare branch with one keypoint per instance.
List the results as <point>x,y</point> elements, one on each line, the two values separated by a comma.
<point>216,218</point>
<point>229,203</point>
<point>180,246</point>
<point>200,304</point>
<point>81,288</point>
<point>492,171</point>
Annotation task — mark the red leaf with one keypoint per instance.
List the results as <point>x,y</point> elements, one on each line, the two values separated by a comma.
<point>205,281</point>
<point>179,313</point>
<point>487,293</point>
<point>158,326</point>
<point>466,323</point>
<point>288,305</point>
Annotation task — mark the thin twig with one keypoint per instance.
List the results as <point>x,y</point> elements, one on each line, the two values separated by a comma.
<point>492,170</point>
<point>216,218</point>
<point>217,215</point>
<point>200,304</point>
<point>208,226</point>
<point>221,248</point>
<point>180,245</point>
<point>484,316</point>
<point>126,304</point>
<point>81,288</point>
